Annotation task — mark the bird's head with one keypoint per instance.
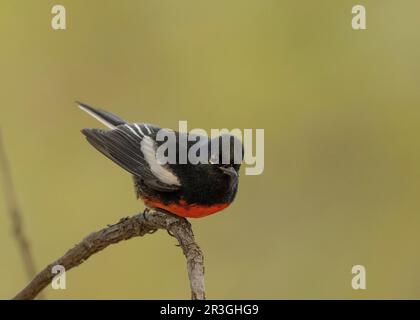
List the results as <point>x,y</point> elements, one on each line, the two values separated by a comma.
<point>227,153</point>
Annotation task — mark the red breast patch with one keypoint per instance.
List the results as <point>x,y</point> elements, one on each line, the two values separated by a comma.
<point>183,209</point>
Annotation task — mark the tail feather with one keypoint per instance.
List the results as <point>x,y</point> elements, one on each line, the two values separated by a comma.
<point>105,117</point>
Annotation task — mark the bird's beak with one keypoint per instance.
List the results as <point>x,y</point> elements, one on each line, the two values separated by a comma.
<point>229,171</point>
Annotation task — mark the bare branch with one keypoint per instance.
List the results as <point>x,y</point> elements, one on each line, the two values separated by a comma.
<point>136,226</point>
<point>15,214</point>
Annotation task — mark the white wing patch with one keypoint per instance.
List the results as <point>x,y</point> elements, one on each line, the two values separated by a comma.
<point>163,174</point>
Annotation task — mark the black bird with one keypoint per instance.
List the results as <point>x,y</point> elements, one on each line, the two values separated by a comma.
<point>188,189</point>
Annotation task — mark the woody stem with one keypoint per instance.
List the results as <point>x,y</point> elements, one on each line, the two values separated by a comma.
<point>135,226</point>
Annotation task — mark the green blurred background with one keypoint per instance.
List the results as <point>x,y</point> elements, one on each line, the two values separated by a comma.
<point>340,109</point>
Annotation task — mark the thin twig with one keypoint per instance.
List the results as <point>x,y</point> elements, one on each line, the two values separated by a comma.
<point>136,226</point>
<point>15,214</point>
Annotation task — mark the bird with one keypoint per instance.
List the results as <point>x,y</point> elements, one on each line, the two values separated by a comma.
<point>190,189</point>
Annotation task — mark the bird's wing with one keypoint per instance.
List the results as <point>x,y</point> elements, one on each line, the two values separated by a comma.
<point>132,147</point>
<point>107,118</point>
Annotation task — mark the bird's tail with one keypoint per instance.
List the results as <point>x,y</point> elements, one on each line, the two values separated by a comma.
<point>107,118</point>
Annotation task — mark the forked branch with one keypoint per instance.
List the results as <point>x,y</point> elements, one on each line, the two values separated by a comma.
<point>136,226</point>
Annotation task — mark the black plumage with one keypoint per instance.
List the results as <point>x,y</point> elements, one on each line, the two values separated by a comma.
<point>132,146</point>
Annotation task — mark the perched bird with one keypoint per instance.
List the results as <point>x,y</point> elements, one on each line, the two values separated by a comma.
<point>187,190</point>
